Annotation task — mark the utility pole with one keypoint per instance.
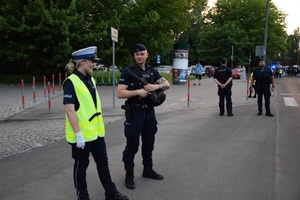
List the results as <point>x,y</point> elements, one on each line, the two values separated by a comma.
<point>232,57</point>
<point>266,31</point>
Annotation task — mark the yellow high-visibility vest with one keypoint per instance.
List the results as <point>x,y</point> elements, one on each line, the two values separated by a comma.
<point>89,117</point>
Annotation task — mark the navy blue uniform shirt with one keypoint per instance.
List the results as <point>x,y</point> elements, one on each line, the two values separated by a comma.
<point>69,91</point>
<point>149,74</point>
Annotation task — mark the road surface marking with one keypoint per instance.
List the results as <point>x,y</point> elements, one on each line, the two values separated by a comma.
<point>290,101</point>
<point>286,94</point>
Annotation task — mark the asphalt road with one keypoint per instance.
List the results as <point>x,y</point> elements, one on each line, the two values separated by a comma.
<point>202,155</point>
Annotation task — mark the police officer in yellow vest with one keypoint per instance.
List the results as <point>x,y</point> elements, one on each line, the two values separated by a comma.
<point>85,129</point>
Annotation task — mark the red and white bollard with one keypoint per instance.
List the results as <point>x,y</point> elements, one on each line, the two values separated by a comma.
<point>49,99</point>
<point>248,87</point>
<point>45,87</point>
<point>23,97</point>
<point>188,95</point>
<point>33,87</point>
<point>53,84</point>
<point>59,82</point>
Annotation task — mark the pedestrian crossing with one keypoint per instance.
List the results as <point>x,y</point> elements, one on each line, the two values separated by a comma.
<point>289,101</point>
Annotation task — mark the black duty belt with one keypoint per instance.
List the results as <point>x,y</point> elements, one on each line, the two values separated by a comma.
<point>141,107</point>
<point>94,115</point>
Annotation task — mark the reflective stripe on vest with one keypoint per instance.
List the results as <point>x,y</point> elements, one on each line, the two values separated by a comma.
<point>90,129</point>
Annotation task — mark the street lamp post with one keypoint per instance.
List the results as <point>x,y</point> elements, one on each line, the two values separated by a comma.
<point>266,31</point>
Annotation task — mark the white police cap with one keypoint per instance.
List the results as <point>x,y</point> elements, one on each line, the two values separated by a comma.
<point>86,53</point>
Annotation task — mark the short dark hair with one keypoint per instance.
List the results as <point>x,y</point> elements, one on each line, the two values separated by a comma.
<point>223,60</point>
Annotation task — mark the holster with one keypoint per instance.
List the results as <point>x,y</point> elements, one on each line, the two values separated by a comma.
<point>128,111</point>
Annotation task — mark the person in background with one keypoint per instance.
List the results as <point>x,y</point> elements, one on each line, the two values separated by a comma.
<point>85,129</point>
<point>140,114</point>
<point>223,78</point>
<point>263,77</point>
<point>70,66</point>
<point>198,73</point>
<point>252,88</point>
<point>243,74</point>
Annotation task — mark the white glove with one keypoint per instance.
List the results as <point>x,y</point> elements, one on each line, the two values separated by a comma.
<point>80,140</point>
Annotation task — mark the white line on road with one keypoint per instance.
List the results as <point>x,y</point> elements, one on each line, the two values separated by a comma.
<point>290,101</point>
<point>286,94</point>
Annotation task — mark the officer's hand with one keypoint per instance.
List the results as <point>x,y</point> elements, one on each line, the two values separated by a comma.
<point>80,140</point>
<point>143,93</point>
<point>150,87</point>
<point>272,88</point>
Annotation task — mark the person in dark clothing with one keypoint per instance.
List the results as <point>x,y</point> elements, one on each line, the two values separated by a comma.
<point>223,77</point>
<point>263,78</point>
<point>140,113</point>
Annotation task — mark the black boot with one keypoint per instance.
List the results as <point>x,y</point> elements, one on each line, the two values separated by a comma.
<point>150,173</point>
<point>129,182</point>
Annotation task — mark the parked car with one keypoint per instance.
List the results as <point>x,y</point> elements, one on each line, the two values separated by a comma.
<point>236,73</point>
<point>164,69</point>
<point>209,70</point>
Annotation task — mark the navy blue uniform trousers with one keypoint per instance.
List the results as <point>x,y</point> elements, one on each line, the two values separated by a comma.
<point>81,156</point>
<point>143,124</point>
<point>225,94</point>
<point>263,90</point>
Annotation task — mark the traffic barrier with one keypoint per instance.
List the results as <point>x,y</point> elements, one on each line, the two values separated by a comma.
<point>49,99</point>
<point>45,89</point>
<point>53,84</point>
<point>59,82</point>
<point>248,88</point>
<point>188,94</point>
<point>23,97</point>
<point>34,92</point>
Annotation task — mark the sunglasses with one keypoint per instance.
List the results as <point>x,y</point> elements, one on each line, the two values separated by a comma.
<point>89,60</point>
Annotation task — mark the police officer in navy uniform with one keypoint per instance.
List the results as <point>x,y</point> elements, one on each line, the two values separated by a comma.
<point>141,120</point>
<point>223,77</point>
<point>84,125</point>
<point>263,78</point>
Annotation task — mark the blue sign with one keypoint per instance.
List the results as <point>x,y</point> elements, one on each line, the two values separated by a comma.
<point>158,59</point>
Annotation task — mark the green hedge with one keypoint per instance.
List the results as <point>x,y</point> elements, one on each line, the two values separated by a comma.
<point>106,77</point>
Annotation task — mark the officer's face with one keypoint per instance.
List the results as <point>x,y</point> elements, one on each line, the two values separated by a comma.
<point>141,57</point>
<point>261,63</point>
<point>88,66</point>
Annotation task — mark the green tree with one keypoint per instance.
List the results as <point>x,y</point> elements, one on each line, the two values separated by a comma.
<point>38,36</point>
<point>240,24</point>
<point>292,56</point>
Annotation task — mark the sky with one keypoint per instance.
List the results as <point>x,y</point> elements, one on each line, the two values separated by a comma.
<point>290,7</point>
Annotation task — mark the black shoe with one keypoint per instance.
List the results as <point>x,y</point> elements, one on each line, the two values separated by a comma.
<point>116,196</point>
<point>254,96</point>
<point>194,84</point>
<point>259,113</point>
<point>230,115</point>
<point>249,96</point>
<point>129,181</point>
<point>269,115</point>
<point>221,114</point>
<point>150,173</point>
